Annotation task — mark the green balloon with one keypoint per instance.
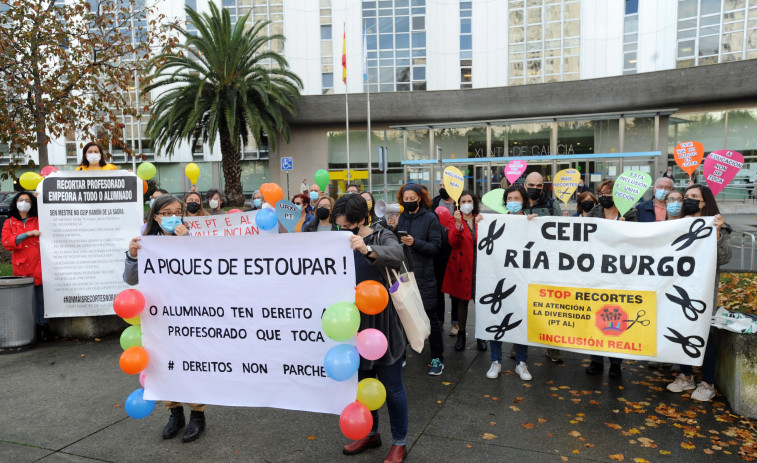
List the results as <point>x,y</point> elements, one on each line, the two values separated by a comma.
<point>629,187</point>
<point>494,200</point>
<point>146,171</point>
<point>341,321</point>
<point>131,337</point>
<point>322,179</point>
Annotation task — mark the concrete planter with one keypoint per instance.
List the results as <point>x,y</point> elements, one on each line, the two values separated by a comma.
<point>16,313</point>
<point>736,371</point>
<point>86,327</point>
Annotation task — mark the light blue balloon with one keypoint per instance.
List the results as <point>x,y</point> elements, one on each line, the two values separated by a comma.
<point>288,214</point>
<point>341,362</point>
<point>266,219</point>
<point>137,407</point>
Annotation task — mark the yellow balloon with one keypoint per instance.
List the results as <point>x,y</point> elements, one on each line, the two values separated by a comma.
<point>30,180</point>
<point>371,393</point>
<point>565,184</point>
<point>134,320</point>
<point>453,182</point>
<point>193,172</point>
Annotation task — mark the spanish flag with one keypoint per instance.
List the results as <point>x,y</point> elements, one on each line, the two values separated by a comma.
<point>344,58</point>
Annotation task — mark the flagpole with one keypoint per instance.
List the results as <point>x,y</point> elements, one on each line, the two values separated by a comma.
<point>346,102</point>
<point>368,94</point>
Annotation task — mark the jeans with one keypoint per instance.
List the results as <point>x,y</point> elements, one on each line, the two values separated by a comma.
<point>600,359</point>
<point>521,352</point>
<point>396,399</point>
<point>708,364</point>
<point>39,306</point>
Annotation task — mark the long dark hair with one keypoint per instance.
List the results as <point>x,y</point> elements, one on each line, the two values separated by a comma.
<point>85,161</point>
<point>710,205</point>
<point>372,209</point>
<point>519,188</point>
<point>152,227</point>
<point>13,212</point>
<point>476,201</point>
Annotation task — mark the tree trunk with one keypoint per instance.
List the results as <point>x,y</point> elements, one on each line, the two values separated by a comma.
<point>232,169</point>
<point>39,117</point>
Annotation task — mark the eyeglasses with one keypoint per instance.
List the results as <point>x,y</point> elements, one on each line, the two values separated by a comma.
<point>674,200</point>
<point>169,213</point>
<point>298,204</point>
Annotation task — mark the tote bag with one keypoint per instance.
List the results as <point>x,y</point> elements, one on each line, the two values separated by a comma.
<point>409,305</point>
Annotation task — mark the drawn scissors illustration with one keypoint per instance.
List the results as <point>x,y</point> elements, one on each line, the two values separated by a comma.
<point>487,242</point>
<point>687,343</point>
<point>496,298</point>
<point>691,307</point>
<point>500,330</point>
<point>641,321</point>
<point>694,234</point>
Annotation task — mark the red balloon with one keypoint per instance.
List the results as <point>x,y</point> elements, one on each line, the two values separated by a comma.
<point>47,170</point>
<point>272,193</point>
<point>444,216</point>
<point>133,360</point>
<point>371,297</point>
<point>129,303</point>
<point>355,421</point>
<point>231,211</point>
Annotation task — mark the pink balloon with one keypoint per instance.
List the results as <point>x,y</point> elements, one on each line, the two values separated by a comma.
<point>514,169</point>
<point>231,211</point>
<point>721,167</point>
<point>47,170</point>
<point>371,344</point>
<point>142,379</point>
<point>444,216</point>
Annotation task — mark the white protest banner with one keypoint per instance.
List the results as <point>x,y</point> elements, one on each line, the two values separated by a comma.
<point>237,320</point>
<point>625,289</point>
<point>86,220</point>
<point>234,224</point>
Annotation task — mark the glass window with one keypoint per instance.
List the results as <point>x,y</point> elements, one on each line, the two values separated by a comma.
<point>707,128</point>
<point>419,40</point>
<point>385,25</point>
<point>465,74</point>
<point>466,42</point>
<point>708,45</point>
<point>403,74</point>
<point>516,18</point>
<point>531,139</point>
<point>687,8</point>
<point>419,73</point>
<point>419,23</point>
<point>386,41</point>
<point>403,40</point>
<point>326,32</point>
<point>733,42</point>
<point>465,26</point>
<point>418,145</point>
<point>327,80</point>
<point>742,127</point>
<point>534,16</point>
<point>632,6</point>
<point>638,134</point>
<point>402,24</point>
<point>588,137</point>
<point>710,7</point>
<point>461,142</point>
<point>631,24</point>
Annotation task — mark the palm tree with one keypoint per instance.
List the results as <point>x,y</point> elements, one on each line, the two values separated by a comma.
<point>219,83</point>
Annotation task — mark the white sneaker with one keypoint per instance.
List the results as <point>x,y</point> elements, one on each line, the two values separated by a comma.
<point>522,371</point>
<point>494,370</point>
<point>682,383</point>
<point>704,392</point>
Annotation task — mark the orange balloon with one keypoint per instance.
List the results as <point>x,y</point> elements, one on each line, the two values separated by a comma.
<point>371,297</point>
<point>272,193</point>
<point>144,187</point>
<point>688,156</point>
<point>133,360</point>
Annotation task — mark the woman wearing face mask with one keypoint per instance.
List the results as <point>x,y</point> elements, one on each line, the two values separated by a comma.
<point>193,205</point>
<point>322,220</point>
<point>166,220</point>
<point>586,202</point>
<point>302,201</point>
<point>674,205</point>
<point>698,202</point>
<point>216,201</point>
<point>606,210</point>
<point>257,201</point>
<point>21,238</point>
<point>372,219</point>
<point>420,231</point>
<point>460,275</point>
<point>515,202</point>
<point>93,159</point>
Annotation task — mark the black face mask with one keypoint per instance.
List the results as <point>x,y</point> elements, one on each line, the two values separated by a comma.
<point>323,213</point>
<point>690,206</point>
<point>410,206</point>
<point>443,193</point>
<point>534,193</point>
<point>193,208</point>
<point>586,206</point>
<point>606,201</point>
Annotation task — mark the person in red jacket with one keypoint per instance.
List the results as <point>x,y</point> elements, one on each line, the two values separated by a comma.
<point>21,238</point>
<point>459,278</point>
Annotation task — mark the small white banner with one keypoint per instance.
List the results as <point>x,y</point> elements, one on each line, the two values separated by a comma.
<point>237,320</point>
<point>234,224</point>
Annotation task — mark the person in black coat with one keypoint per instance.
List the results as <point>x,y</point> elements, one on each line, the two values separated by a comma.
<point>440,262</point>
<point>420,231</point>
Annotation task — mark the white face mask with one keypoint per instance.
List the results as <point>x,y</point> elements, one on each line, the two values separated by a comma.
<point>93,158</point>
<point>213,203</point>
<point>466,208</point>
<point>23,206</point>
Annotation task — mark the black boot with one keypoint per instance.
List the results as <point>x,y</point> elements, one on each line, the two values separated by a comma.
<point>175,423</point>
<point>42,335</point>
<point>460,344</point>
<point>195,426</point>
<point>481,344</point>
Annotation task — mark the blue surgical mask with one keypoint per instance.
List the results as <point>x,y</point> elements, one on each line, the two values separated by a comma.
<point>299,207</point>
<point>169,224</point>
<point>674,208</point>
<point>514,206</point>
<point>314,196</point>
<point>257,202</point>
<point>660,193</point>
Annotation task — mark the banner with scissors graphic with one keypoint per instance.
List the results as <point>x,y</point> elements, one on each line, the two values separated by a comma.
<point>629,290</point>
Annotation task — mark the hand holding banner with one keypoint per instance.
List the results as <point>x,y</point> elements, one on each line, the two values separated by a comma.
<point>566,183</point>
<point>629,187</point>
<point>514,169</point>
<point>688,156</point>
<point>720,168</point>
<point>453,182</point>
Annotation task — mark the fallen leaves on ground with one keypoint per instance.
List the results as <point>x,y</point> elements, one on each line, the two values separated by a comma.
<point>528,425</point>
<point>738,292</point>
<point>311,437</point>
<point>489,436</point>
<point>618,457</point>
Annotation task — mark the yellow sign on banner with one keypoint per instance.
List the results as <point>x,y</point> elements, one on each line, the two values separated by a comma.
<point>609,320</point>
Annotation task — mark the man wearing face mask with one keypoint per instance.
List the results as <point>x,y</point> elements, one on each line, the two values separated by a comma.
<point>655,209</point>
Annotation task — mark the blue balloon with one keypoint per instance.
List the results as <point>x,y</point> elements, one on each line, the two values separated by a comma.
<point>266,219</point>
<point>137,407</point>
<point>341,362</point>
